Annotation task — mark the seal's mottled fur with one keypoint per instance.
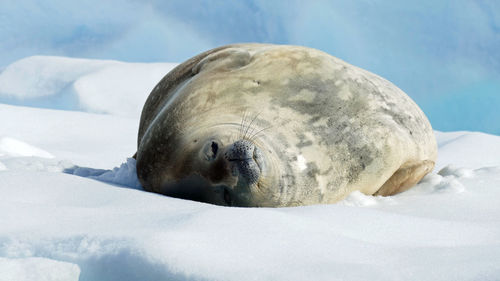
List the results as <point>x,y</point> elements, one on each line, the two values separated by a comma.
<point>315,127</point>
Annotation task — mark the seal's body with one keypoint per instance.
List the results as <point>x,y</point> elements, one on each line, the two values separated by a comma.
<point>273,125</point>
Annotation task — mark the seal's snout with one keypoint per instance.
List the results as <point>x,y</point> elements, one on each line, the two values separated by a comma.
<point>240,150</point>
<point>246,161</point>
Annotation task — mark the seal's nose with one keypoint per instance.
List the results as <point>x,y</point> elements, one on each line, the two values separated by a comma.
<point>243,156</point>
<point>240,150</point>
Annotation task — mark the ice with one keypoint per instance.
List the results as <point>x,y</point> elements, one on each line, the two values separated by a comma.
<point>100,86</point>
<point>444,54</point>
<point>40,269</point>
<point>468,149</point>
<point>72,207</point>
<point>124,175</point>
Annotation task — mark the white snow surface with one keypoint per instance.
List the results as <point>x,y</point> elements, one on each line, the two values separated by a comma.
<point>72,208</point>
<point>99,86</point>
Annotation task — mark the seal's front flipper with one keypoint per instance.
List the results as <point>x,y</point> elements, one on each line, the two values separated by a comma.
<point>407,176</point>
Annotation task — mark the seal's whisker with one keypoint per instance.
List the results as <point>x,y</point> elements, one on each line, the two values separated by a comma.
<point>262,185</point>
<point>252,137</point>
<point>265,181</point>
<point>250,125</point>
<point>242,124</point>
<point>259,188</point>
<point>246,124</point>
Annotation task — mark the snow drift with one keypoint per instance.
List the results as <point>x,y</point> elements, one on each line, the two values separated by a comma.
<point>97,86</point>
<point>71,207</point>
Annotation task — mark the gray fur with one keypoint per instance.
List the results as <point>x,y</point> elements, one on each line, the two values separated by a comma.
<point>323,128</point>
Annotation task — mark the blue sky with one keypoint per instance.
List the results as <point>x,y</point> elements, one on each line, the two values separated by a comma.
<point>444,54</point>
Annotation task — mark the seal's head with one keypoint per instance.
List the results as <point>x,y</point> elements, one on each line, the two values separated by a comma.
<point>223,170</point>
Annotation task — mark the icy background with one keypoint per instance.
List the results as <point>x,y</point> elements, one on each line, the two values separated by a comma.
<point>444,54</point>
<point>72,209</point>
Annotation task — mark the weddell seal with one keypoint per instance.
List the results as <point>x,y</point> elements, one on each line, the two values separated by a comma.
<point>276,125</point>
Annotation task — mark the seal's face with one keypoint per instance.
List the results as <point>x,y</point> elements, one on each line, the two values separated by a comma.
<point>223,170</point>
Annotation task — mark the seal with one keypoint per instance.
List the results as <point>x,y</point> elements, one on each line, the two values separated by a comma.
<point>276,125</point>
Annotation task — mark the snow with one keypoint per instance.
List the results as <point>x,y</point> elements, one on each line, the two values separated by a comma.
<point>13,147</point>
<point>72,209</point>
<point>468,149</point>
<point>39,269</point>
<point>101,86</point>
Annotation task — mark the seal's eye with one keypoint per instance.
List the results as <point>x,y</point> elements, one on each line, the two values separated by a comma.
<point>215,148</point>
<point>210,150</point>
